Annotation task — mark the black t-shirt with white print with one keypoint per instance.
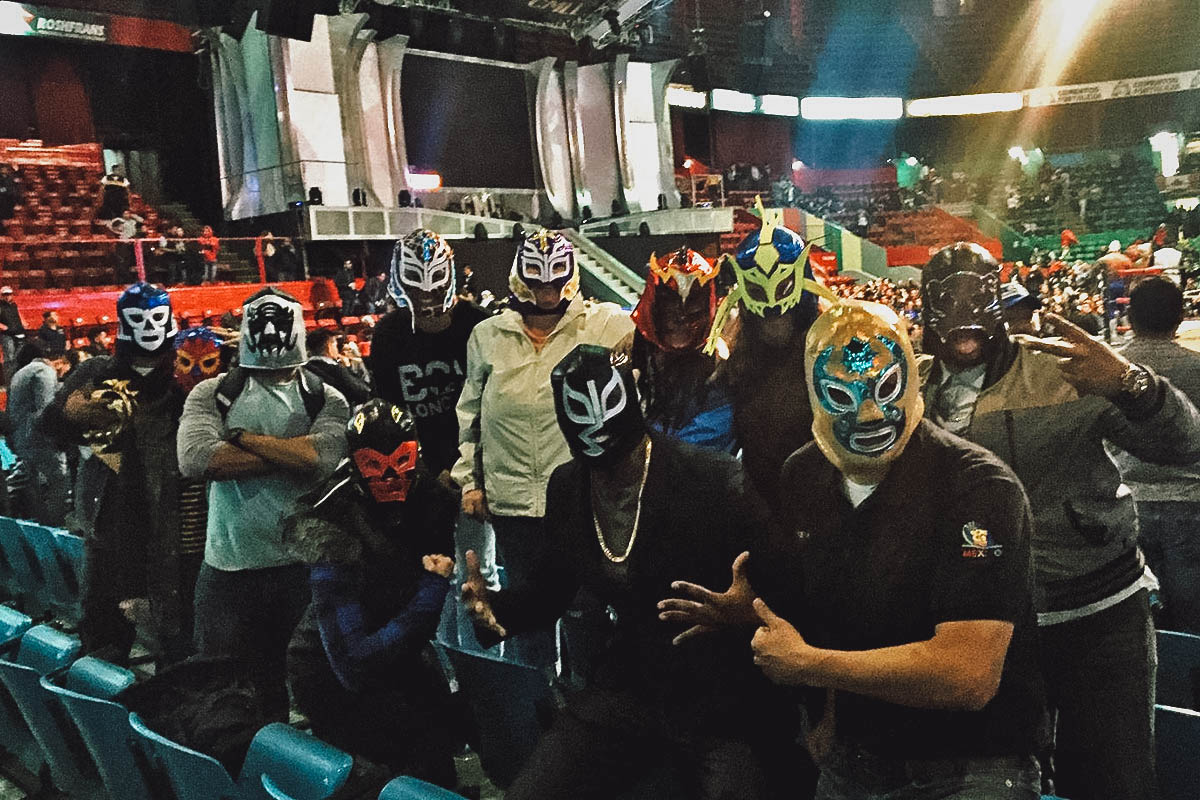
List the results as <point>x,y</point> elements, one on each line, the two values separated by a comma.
<point>424,373</point>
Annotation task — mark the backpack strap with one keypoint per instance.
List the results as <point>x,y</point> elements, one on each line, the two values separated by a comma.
<point>231,386</point>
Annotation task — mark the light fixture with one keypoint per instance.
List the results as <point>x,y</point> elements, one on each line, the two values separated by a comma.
<point>687,163</point>
<point>779,105</point>
<point>867,108</point>
<point>797,165</point>
<point>424,181</point>
<point>1166,144</point>
<point>729,100</point>
<point>685,96</point>
<point>957,105</point>
<point>1016,152</point>
<point>911,161</point>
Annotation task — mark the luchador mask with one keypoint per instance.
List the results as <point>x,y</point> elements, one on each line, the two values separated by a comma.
<point>863,387</point>
<point>773,275</point>
<point>680,301</point>
<point>272,335</point>
<point>383,450</point>
<point>197,356</point>
<point>545,257</point>
<point>960,289</point>
<point>597,404</point>
<point>422,275</point>
<point>147,326</point>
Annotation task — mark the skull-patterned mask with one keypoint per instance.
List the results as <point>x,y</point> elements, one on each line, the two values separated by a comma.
<point>272,334</point>
<point>597,404</point>
<point>146,324</point>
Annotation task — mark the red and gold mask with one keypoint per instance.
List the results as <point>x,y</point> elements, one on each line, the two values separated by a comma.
<point>383,450</point>
<point>388,476</point>
<point>197,356</point>
<point>680,301</point>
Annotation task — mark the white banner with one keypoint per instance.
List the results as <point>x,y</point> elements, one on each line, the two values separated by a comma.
<point>1112,90</point>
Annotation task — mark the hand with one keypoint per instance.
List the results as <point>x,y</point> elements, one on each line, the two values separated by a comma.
<point>135,609</point>
<point>474,504</point>
<point>708,611</point>
<point>781,652</point>
<point>1090,366</point>
<point>820,739</point>
<point>447,482</point>
<point>475,598</point>
<point>438,565</point>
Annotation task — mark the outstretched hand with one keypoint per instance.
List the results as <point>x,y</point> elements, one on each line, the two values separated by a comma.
<point>707,611</point>
<point>475,598</point>
<point>1091,366</point>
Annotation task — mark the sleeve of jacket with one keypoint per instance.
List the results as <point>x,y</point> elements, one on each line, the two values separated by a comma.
<point>54,421</point>
<point>552,584</point>
<point>468,470</point>
<point>1166,433</point>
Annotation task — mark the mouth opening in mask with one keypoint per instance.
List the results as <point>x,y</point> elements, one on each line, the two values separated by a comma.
<point>872,442</point>
<point>965,346</point>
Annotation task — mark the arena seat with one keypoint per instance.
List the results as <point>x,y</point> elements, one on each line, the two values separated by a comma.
<point>85,692</point>
<point>409,788</point>
<point>14,734</point>
<point>505,699</point>
<point>69,549</point>
<point>298,766</point>
<point>26,583</point>
<point>60,589</point>
<point>293,763</point>
<point>1178,682</point>
<point>44,650</point>
<point>1177,741</point>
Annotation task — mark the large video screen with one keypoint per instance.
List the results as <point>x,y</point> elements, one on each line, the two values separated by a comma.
<point>468,122</point>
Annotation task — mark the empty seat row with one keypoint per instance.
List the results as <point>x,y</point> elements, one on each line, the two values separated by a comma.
<point>41,569</point>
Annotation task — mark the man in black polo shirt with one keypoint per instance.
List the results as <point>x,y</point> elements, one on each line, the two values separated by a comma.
<point>899,581</point>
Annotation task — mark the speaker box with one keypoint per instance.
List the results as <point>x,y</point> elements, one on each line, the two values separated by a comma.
<point>292,19</point>
<point>697,69</point>
<point>757,47</point>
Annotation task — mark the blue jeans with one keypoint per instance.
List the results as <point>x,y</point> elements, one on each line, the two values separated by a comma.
<point>1100,673</point>
<point>851,773</point>
<point>1170,538</point>
<point>455,627</point>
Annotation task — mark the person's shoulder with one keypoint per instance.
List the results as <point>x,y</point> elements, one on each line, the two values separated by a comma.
<point>396,323</point>
<point>804,461</point>
<point>965,464</point>
<point>470,313</point>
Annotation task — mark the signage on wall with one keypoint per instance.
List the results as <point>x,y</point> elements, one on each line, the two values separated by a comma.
<point>19,19</point>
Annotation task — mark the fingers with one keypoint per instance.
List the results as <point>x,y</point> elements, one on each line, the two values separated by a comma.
<point>690,633</point>
<point>695,591</point>
<point>473,566</point>
<point>1067,329</point>
<point>675,605</point>
<point>765,613</point>
<point>1060,349</point>
<point>740,565</point>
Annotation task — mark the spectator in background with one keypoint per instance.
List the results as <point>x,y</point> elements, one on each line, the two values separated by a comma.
<point>466,286</point>
<point>172,251</point>
<point>210,248</point>
<point>100,342</point>
<point>343,281</point>
<point>280,261</point>
<point>10,193</point>
<point>126,227</point>
<point>51,333</point>
<point>12,332</point>
<point>32,390</point>
<point>114,193</point>
<point>375,294</point>
<point>263,435</point>
<point>1167,497</point>
<point>327,361</point>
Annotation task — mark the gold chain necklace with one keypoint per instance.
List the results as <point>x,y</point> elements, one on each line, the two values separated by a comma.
<point>637,515</point>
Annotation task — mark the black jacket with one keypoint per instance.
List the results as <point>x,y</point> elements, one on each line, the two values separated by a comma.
<point>353,388</point>
<point>698,514</point>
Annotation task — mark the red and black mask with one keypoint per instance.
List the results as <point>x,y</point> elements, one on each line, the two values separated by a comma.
<point>383,450</point>
<point>680,301</point>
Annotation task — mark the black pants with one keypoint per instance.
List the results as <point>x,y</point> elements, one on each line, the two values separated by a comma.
<point>250,615</point>
<point>1100,679</point>
<point>518,541</point>
<point>581,760</point>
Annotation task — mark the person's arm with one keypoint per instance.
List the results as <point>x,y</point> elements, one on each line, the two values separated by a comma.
<point>200,443</point>
<point>959,668</point>
<point>467,472</point>
<point>71,412</point>
<point>297,453</point>
<point>353,648</point>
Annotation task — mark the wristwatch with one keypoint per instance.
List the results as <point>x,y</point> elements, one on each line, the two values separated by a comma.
<point>1136,382</point>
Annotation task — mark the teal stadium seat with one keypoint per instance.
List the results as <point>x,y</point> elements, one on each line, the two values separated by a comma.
<point>14,733</point>
<point>1177,738</point>
<point>179,773</point>
<point>25,581</point>
<point>294,763</point>
<point>407,788</point>
<point>42,651</point>
<point>59,591</point>
<point>1178,682</point>
<point>505,699</point>
<point>85,691</point>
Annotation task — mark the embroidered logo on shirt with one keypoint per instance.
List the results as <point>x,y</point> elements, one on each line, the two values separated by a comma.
<point>978,543</point>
